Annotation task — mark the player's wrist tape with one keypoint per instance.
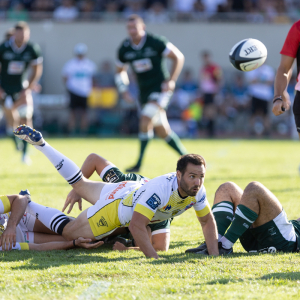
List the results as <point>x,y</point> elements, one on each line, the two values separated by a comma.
<point>74,243</point>
<point>122,82</point>
<point>277,98</point>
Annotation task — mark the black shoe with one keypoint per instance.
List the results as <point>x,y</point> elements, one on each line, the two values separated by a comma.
<point>198,249</point>
<point>223,251</point>
<point>134,169</point>
<point>26,193</point>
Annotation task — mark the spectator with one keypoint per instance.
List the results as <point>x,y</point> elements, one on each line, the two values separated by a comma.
<point>183,6</point>
<point>66,12</point>
<point>87,11</point>
<point>77,76</point>
<point>210,83</point>
<point>134,7</point>
<point>17,13</point>
<point>112,11</point>
<point>42,9</point>
<point>105,78</point>
<point>149,3</point>
<point>211,6</point>
<point>157,14</point>
<point>260,86</point>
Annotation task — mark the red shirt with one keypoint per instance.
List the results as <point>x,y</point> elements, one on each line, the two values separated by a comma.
<point>291,47</point>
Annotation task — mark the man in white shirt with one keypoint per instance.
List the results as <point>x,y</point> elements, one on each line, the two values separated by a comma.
<point>78,78</point>
<point>66,12</point>
<point>261,90</point>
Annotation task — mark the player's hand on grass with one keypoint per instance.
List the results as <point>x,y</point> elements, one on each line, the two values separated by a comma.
<point>168,85</point>
<point>72,198</point>
<point>85,243</point>
<point>8,238</point>
<point>127,97</point>
<point>119,247</point>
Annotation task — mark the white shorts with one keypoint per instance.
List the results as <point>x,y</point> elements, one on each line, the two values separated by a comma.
<point>24,231</point>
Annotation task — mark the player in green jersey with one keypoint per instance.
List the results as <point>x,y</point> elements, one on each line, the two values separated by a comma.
<point>146,54</point>
<point>17,55</point>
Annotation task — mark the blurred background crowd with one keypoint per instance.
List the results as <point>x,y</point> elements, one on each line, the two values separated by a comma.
<point>278,11</point>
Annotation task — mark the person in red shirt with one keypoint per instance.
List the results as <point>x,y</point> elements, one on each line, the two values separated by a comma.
<point>210,79</point>
<point>290,51</point>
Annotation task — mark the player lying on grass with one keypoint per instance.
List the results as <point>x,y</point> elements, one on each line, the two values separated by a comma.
<point>159,232</point>
<point>256,217</point>
<point>129,203</point>
<point>22,231</point>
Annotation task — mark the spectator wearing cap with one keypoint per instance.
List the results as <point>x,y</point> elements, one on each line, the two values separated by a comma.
<point>78,78</point>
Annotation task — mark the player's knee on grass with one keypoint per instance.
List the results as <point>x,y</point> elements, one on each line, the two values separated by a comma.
<point>228,191</point>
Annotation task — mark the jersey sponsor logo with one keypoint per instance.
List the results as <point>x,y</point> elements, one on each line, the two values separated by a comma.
<point>189,206</point>
<point>202,198</point>
<point>129,55</point>
<point>272,231</point>
<point>15,67</point>
<point>111,176</point>
<point>8,55</point>
<point>153,201</point>
<point>102,222</point>
<point>169,178</point>
<point>246,225</point>
<point>167,207</point>
<point>112,194</point>
<point>138,196</point>
<point>175,212</point>
<point>142,65</point>
<point>180,202</point>
<point>149,52</point>
<point>59,165</point>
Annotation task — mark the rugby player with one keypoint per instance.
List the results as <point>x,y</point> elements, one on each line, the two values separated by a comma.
<point>290,51</point>
<point>146,55</point>
<point>17,55</point>
<point>256,217</point>
<point>108,172</point>
<point>128,203</point>
<point>20,230</point>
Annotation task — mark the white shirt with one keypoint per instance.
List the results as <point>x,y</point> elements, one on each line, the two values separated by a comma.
<point>157,199</point>
<point>65,13</point>
<point>79,73</point>
<point>184,5</point>
<point>262,89</point>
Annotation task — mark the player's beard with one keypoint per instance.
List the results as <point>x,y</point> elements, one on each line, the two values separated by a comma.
<point>189,191</point>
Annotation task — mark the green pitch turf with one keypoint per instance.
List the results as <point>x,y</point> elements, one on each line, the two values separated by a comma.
<point>104,274</point>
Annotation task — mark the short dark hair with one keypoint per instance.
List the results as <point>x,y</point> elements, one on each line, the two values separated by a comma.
<point>194,159</point>
<point>136,18</point>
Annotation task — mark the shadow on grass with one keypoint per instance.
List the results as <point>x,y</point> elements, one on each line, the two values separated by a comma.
<point>284,276</point>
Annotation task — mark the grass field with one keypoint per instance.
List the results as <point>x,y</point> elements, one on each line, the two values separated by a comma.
<point>103,274</point>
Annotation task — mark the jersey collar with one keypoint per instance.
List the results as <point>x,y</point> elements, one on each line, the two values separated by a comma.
<point>14,47</point>
<point>140,45</point>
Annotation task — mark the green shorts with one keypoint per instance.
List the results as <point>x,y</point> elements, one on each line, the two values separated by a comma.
<point>281,234</point>
<point>160,227</point>
<point>114,175</point>
<point>155,94</point>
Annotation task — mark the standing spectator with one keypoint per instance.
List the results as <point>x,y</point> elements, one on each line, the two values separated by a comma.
<point>17,12</point>
<point>210,83</point>
<point>78,78</point>
<point>260,86</point>
<point>66,12</point>
<point>105,78</point>
<point>134,7</point>
<point>157,14</point>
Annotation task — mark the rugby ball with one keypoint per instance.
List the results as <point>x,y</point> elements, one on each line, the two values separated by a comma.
<point>248,55</point>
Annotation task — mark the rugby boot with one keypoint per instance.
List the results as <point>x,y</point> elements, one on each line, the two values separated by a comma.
<point>29,135</point>
<point>196,250</point>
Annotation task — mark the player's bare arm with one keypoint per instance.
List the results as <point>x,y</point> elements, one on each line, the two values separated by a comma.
<point>122,82</point>
<point>18,205</point>
<point>138,229</point>
<point>177,64</point>
<point>210,233</point>
<point>282,79</point>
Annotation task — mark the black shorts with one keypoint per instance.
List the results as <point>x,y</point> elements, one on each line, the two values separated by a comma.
<point>208,98</point>
<point>77,101</point>
<point>296,110</point>
<point>259,106</point>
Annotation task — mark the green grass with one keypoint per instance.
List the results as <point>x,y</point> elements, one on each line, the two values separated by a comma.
<point>103,274</point>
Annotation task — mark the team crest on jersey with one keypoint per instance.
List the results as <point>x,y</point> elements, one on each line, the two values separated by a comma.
<point>149,52</point>
<point>153,201</point>
<point>111,176</point>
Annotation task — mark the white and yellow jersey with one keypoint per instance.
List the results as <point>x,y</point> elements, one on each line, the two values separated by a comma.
<point>159,200</point>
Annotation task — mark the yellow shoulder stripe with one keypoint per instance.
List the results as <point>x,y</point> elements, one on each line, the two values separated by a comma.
<point>4,204</point>
<point>24,246</point>
<point>148,213</point>
<point>203,212</point>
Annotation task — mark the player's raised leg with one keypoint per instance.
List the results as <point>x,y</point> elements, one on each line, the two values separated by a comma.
<point>87,189</point>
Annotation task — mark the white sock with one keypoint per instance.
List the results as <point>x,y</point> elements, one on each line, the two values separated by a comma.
<point>226,243</point>
<point>52,218</point>
<point>65,166</point>
<point>219,237</point>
